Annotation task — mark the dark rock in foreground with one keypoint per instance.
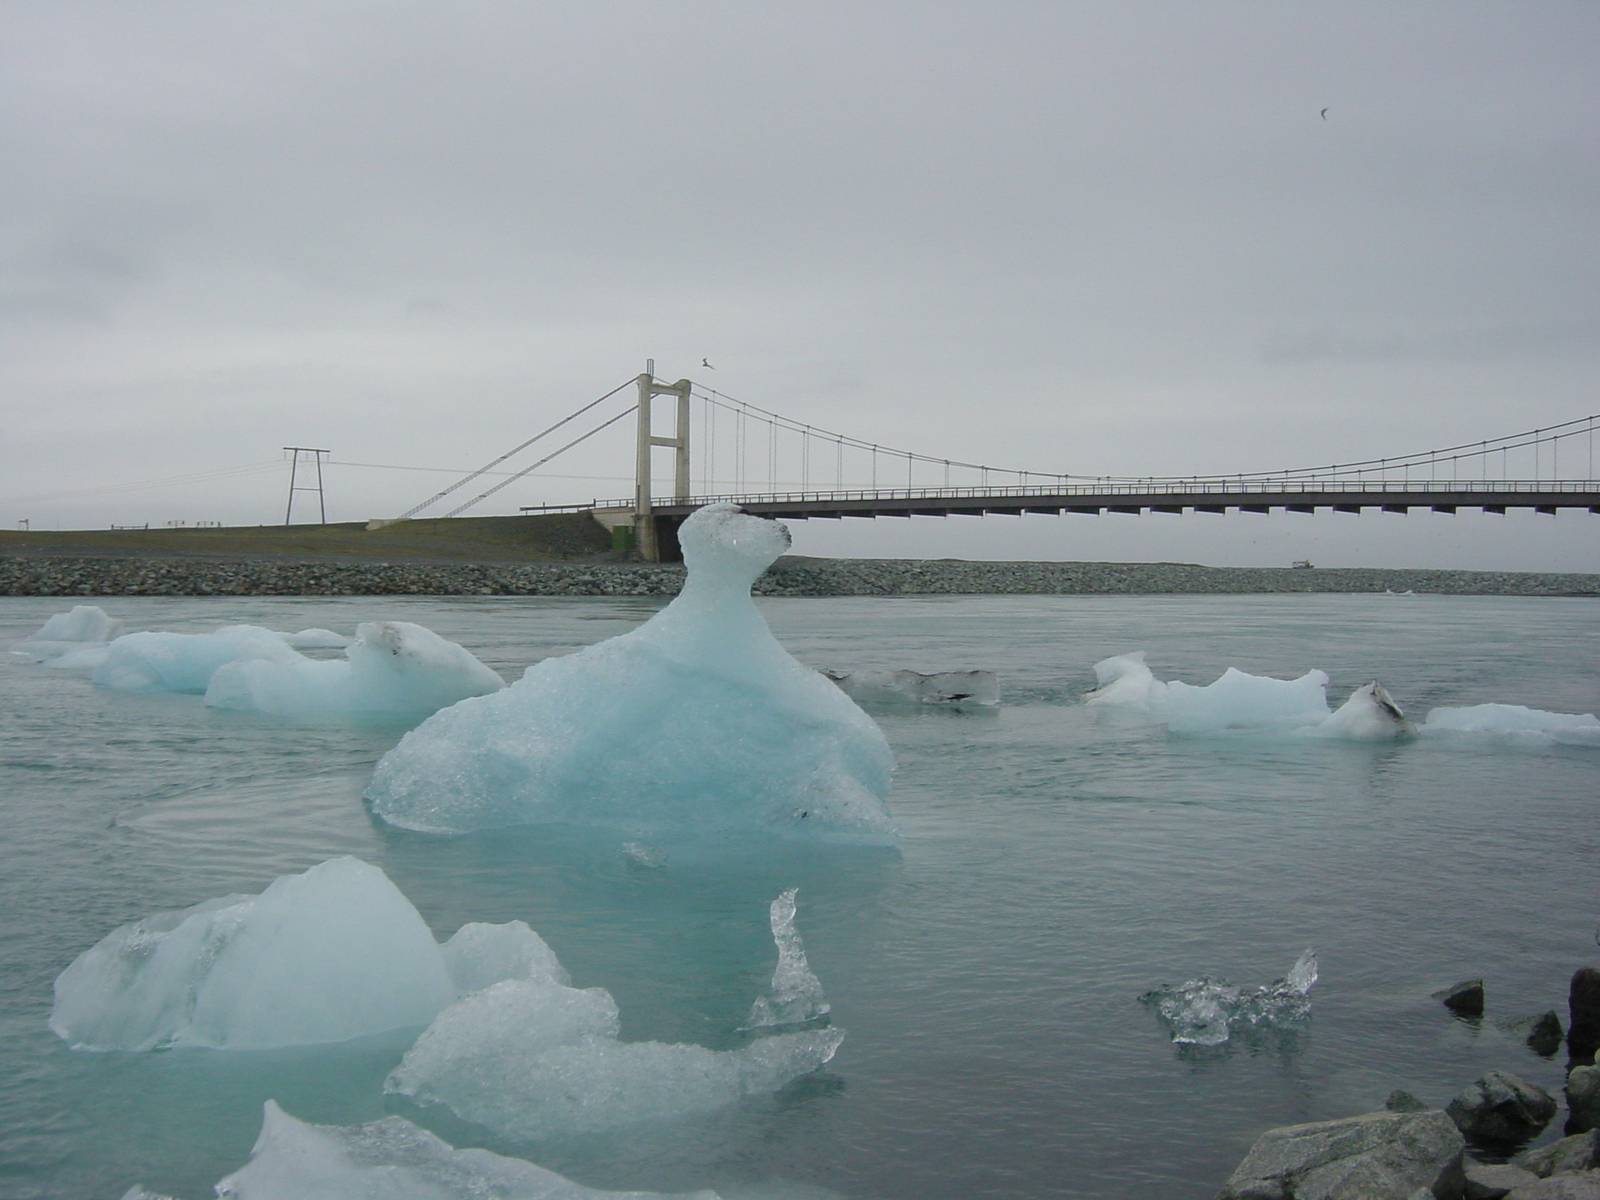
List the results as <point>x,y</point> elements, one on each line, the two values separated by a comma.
<point>1465,999</point>
<point>1379,1156</point>
<point>1501,1107</point>
<point>1583,1099</point>
<point>1580,1152</point>
<point>1583,1003</point>
<point>1561,1187</point>
<point>1492,1181</point>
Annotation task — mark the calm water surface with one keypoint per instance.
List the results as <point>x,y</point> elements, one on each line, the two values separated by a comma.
<point>1056,862</point>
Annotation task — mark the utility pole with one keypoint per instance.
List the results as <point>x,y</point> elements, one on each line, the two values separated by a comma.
<point>294,470</point>
<point>644,521</point>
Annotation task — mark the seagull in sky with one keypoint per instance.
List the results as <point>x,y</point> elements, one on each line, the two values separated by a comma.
<point>1325,114</point>
<point>704,363</point>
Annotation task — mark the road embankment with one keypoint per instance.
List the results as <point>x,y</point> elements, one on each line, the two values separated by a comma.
<point>145,576</point>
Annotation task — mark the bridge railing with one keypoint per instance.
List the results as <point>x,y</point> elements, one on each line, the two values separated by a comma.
<point>1119,487</point>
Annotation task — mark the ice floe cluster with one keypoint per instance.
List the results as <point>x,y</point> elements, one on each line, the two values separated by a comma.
<point>389,669</point>
<point>1238,701</point>
<point>954,688</point>
<point>337,952</point>
<point>1207,1011</point>
<point>696,720</point>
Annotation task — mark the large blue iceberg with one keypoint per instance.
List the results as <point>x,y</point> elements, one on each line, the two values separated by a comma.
<point>696,721</point>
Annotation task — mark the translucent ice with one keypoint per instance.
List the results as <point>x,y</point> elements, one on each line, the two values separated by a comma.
<point>530,1058</point>
<point>1370,715</point>
<point>1236,700</point>
<point>393,668</point>
<point>796,994</point>
<point>84,628</point>
<point>331,954</point>
<point>1516,724</point>
<point>156,661</point>
<point>913,687</point>
<point>316,639</point>
<point>392,1159</point>
<point>698,720</point>
<point>1207,1011</point>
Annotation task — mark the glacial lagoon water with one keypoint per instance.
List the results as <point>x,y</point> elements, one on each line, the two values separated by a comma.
<point>1055,862</point>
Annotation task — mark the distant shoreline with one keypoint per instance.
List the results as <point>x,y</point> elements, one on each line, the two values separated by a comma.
<point>80,576</point>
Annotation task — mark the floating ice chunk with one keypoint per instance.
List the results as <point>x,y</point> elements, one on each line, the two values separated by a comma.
<point>479,956</point>
<point>796,995</point>
<point>1241,701</point>
<point>1517,724</point>
<point>316,639</point>
<point>1233,701</point>
<point>1370,715</point>
<point>698,720</point>
<point>392,1159</point>
<point>528,1059</point>
<point>183,662</point>
<point>1207,1011</point>
<point>913,687</point>
<point>86,628</point>
<point>393,668</point>
<point>1126,682</point>
<point>328,955</point>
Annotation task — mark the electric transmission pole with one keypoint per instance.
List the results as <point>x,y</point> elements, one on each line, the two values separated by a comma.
<point>294,470</point>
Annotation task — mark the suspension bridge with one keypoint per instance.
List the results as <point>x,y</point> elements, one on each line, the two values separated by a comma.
<point>724,449</point>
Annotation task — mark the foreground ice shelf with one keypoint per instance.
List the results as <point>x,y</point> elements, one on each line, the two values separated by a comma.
<point>696,721</point>
<point>390,1159</point>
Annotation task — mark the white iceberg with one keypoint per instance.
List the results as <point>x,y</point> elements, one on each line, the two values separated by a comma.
<point>796,996</point>
<point>392,1159</point>
<point>331,954</point>
<point>954,688</point>
<point>74,639</point>
<point>696,721</point>
<point>1515,724</point>
<point>1235,700</point>
<point>533,1058</point>
<point>1207,1011</point>
<point>315,639</point>
<point>393,668</point>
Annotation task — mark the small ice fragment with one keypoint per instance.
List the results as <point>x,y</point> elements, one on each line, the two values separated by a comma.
<point>913,687</point>
<point>644,855</point>
<point>796,996</point>
<point>697,721</point>
<point>395,1160</point>
<point>1515,724</point>
<point>85,625</point>
<point>1207,1011</point>
<point>1126,682</point>
<point>1370,715</point>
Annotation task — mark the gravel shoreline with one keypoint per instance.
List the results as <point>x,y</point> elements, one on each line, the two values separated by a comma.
<point>791,576</point>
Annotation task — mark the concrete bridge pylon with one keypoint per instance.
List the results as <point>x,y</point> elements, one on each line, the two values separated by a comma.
<point>651,538</point>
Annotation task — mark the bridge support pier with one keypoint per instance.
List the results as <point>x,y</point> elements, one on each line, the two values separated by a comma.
<point>653,537</point>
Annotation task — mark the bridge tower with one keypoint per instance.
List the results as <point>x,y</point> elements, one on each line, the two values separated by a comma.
<point>647,534</point>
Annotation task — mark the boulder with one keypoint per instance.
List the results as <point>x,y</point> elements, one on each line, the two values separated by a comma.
<point>1465,999</point>
<point>1583,1098</point>
<point>1378,1156</point>
<point>1583,1006</point>
<point>1584,1186</point>
<point>1401,1100</point>
<point>1491,1181</point>
<point>1500,1107</point>
<point>1580,1152</point>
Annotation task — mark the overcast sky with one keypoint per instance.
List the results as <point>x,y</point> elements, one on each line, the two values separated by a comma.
<point>1104,238</point>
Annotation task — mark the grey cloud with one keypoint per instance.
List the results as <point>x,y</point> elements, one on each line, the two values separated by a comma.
<point>1460,345</point>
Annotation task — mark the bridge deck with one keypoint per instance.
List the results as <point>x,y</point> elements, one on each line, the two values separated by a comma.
<point>1494,497</point>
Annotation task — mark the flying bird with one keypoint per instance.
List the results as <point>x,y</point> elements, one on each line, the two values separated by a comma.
<point>704,363</point>
<point>1325,114</point>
